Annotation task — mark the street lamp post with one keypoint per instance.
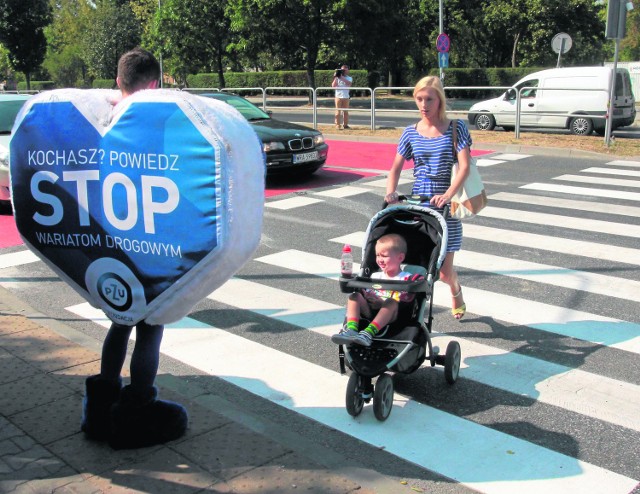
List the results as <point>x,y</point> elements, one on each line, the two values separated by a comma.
<point>441,30</point>
<point>160,59</point>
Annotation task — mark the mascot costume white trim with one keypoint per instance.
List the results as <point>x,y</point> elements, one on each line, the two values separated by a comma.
<point>144,208</point>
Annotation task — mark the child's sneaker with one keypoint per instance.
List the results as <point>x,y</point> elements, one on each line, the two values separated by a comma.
<point>364,338</point>
<point>344,337</point>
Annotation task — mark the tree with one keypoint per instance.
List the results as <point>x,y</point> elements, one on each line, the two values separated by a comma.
<point>64,60</point>
<point>191,35</point>
<point>22,24</point>
<point>292,30</point>
<point>113,31</point>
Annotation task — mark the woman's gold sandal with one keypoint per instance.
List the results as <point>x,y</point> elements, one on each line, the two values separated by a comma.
<point>458,312</point>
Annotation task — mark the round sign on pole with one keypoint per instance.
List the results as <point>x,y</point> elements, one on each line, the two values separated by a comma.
<point>561,43</point>
<point>443,43</point>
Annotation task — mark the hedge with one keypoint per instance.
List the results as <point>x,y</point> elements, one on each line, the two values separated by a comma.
<point>37,85</point>
<point>323,78</point>
<point>284,78</point>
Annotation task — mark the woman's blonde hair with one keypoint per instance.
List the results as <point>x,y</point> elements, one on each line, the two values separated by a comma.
<point>433,82</point>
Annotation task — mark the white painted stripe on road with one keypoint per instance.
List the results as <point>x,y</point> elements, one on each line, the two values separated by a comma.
<point>569,222</point>
<point>494,462</point>
<point>510,156</point>
<point>581,392</point>
<point>17,259</point>
<point>553,244</point>
<point>339,192</point>
<point>623,163</point>
<point>612,171</point>
<point>557,202</point>
<point>599,284</point>
<point>606,331</point>
<point>581,325</point>
<point>291,308</point>
<point>482,162</point>
<point>383,182</point>
<point>292,203</point>
<point>557,385</point>
<point>356,239</point>
<point>585,191</point>
<point>616,182</point>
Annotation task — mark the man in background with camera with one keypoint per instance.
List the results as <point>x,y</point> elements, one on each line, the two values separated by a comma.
<point>341,79</point>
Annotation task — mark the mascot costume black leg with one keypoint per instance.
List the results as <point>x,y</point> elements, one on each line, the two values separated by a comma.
<point>144,201</point>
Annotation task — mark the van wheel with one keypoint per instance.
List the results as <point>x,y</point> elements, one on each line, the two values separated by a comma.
<point>581,126</point>
<point>485,121</point>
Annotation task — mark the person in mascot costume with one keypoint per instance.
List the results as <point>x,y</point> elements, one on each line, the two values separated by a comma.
<point>135,200</point>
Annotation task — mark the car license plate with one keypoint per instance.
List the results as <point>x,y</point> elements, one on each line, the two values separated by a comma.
<point>304,157</point>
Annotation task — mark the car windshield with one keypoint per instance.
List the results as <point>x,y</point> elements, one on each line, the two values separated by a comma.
<point>247,109</point>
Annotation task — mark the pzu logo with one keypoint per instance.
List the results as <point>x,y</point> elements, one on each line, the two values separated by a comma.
<point>115,291</point>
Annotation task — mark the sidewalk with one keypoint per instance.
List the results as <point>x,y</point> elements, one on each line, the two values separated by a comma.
<point>43,366</point>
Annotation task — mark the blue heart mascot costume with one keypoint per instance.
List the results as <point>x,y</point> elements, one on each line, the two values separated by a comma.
<point>144,205</point>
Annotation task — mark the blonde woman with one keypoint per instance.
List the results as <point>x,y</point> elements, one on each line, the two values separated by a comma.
<point>429,143</point>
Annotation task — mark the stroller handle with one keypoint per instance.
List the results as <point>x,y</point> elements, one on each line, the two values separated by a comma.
<point>415,199</point>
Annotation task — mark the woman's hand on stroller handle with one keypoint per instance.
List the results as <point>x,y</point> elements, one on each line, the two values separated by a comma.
<point>394,198</point>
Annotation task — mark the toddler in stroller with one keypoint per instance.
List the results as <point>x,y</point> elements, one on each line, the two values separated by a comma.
<point>398,338</point>
<point>390,252</point>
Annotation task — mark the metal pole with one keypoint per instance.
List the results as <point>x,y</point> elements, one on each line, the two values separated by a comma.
<point>612,90</point>
<point>161,71</point>
<point>560,52</point>
<point>441,27</point>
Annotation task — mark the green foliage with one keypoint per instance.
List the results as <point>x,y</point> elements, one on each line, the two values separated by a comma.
<point>22,24</point>
<point>104,84</point>
<point>285,78</point>
<point>37,86</point>
<point>113,31</point>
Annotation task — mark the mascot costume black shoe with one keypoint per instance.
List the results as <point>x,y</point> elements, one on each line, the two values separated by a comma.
<point>119,175</point>
<point>100,395</point>
<point>139,419</point>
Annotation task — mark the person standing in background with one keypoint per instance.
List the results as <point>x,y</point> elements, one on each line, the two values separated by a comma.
<point>341,79</point>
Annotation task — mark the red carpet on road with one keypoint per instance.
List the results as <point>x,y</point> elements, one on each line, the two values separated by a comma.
<point>8,231</point>
<point>371,155</point>
<point>346,159</point>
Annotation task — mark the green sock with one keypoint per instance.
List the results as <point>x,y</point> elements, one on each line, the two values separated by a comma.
<point>372,329</point>
<point>353,325</point>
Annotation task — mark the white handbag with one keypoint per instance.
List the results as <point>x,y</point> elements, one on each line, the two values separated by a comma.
<point>471,197</point>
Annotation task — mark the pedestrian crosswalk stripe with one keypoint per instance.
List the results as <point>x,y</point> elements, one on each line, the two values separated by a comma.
<point>569,222</point>
<point>550,243</point>
<point>616,182</point>
<point>355,239</point>
<point>623,163</point>
<point>550,383</point>
<point>481,162</point>
<point>292,202</point>
<point>560,320</point>
<point>494,462</point>
<point>612,171</point>
<point>383,182</point>
<point>558,202</point>
<point>17,258</point>
<point>339,192</point>
<point>597,283</point>
<point>510,156</point>
<point>291,308</point>
<point>585,191</point>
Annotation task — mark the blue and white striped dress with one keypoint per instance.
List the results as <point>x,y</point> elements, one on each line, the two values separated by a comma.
<point>432,161</point>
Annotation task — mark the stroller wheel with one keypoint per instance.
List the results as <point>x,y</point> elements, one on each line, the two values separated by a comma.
<point>452,362</point>
<point>383,397</point>
<point>355,401</point>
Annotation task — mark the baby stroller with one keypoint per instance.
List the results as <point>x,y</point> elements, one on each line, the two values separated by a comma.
<point>405,344</point>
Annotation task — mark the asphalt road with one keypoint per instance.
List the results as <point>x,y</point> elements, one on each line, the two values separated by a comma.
<point>549,388</point>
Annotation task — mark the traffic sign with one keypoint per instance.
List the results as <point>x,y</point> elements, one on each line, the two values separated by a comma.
<point>443,43</point>
<point>561,43</point>
<point>443,60</point>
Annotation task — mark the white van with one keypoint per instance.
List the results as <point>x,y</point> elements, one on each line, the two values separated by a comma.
<point>559,108</point>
